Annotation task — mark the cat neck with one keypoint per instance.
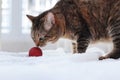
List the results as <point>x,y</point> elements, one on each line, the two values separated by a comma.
<point>62,26</point>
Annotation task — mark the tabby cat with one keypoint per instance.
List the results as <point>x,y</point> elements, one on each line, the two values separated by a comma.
<point>80,20</point>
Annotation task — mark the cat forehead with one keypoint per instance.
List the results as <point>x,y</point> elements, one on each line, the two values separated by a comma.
<point>38,21</point>
<point>37,25</point>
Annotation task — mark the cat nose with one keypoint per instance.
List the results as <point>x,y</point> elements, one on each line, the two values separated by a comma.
<point>37,43</point>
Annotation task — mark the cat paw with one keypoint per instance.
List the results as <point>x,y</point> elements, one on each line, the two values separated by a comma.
<point>102,57</point>
<point>112,56</point>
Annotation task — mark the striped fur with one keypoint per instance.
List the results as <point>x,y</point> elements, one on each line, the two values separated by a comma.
<point>83,21</point>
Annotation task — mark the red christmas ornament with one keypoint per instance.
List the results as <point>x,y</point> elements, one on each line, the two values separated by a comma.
<point>35,51</point>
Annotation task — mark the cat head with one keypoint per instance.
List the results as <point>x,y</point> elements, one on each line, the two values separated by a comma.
<point>43,29</point>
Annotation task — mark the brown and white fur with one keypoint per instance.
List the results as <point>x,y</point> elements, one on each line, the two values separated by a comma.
<point>82,20</point>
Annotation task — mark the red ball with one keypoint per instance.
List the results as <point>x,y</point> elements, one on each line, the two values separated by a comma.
<point>35,51</point>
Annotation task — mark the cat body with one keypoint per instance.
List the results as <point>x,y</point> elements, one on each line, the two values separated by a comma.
<point>84,21</point>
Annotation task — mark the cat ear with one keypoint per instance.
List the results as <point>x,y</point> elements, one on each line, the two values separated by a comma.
<point>30,17</point>
<point>50,20</point>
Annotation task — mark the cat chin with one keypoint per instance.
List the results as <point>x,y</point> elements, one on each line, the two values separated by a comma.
<point>42,45</point>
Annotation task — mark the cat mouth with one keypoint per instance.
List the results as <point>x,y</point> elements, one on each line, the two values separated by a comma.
<point>40,44</point>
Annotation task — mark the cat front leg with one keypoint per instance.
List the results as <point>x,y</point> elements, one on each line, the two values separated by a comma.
<point>82,44</point>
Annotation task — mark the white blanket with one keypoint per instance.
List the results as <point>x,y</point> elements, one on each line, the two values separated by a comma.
<point>58,65</point>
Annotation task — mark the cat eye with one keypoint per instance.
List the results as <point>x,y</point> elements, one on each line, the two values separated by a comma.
<point>42,38</point>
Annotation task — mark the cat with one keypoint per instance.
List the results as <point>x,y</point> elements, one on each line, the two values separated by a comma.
<point>84,21</point>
